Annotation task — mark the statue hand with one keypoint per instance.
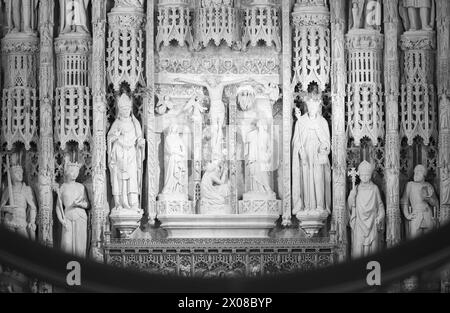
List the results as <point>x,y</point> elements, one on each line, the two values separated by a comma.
<point>141,143</point>
<point>64,224</point>
<point>31,227</point>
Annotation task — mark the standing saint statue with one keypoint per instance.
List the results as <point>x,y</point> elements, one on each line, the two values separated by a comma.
<point>217,111</point>
<point>418,14</point>
<point>73,14</point>
<point>418,203</point>
<point>20,214</point>
<point>258,154</point>
<point>71,212</point>
<point>175,166</point>
<point>21,15</point>
<point>126,151</point>
<point>311,167</point>
<point>367,214</point>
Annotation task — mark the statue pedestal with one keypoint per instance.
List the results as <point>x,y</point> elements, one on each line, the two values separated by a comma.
<point>207,209</point>
<point>312,221</point>
<point>261,207</point>
<point>124,223</point>
<point>175,207</point>
<point>218,226</point>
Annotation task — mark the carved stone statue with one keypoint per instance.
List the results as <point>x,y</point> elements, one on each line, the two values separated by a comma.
<point>195,108</point>
<point>366,214</point>
<point>418,204</point>
<point>165,105</point>
<point>215,187</point>
<point>365,14</point>
<point>418,14</point>
<point>258,154</point>
<point>73,14</point>
<point>215,86</point>
<point>126,151</point>
<point>20,213</point>
<point>21,15</point>
<point>311,166</point>
<point>71,212</point>
<point>175,167</point>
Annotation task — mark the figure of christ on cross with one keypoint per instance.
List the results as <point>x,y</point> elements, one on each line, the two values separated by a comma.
<point>215,86</point>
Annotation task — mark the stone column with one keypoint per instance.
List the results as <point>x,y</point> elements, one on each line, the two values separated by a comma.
<point>392,90</point>
<point>339,136</point>
<point>232,145</point>
<point>149,117</point>
<point>100,208</point>
<point>288,103</point>
<point>443,85</point>
<point>46,148</point>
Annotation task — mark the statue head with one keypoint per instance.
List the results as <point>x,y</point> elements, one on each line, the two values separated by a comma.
<point>125,105</point>
<point>420,172</point>
<point>246,97</point>
<point>365,171</point>
<point>313,102</point>
<point>72,170</point>
<point>173,128</point>
<point>17,174</point>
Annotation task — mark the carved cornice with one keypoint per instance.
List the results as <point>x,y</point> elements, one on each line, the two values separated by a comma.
<point>311,13</point>
<point>364,40</point>
<point>418,41</point>
<point>70,44</point>
<point>20,44</point>
<point>120,20</point>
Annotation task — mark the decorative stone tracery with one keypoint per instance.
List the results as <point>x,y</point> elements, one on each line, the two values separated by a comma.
<point>312,46</point>
<point>365,89</point>
<point>216,21</point>
<point>174,23</point>
<point>261,24</point>
<point>20,94</point>
<point>418,91</point>
<point>192,46</point>
<point>125,52</point>
<point>73,93</point>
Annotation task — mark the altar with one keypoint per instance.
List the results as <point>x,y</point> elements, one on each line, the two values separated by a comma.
<point>226,137</point>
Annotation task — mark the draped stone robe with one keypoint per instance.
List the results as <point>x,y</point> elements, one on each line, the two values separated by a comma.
<point>311,173</point>
<point>365,211</point>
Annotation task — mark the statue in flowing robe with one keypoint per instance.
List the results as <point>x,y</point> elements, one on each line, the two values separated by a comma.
<point>418,14</point>
<point>367,214</point>
<point>71,212</point>
<point>175,166</point>
<point>418,205</point>
<point>126,152</point>
<point>73,14</point>
<point>311,174</point>
<point>21,15</point>
<point>258,154</point>
<point>215,187</point>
